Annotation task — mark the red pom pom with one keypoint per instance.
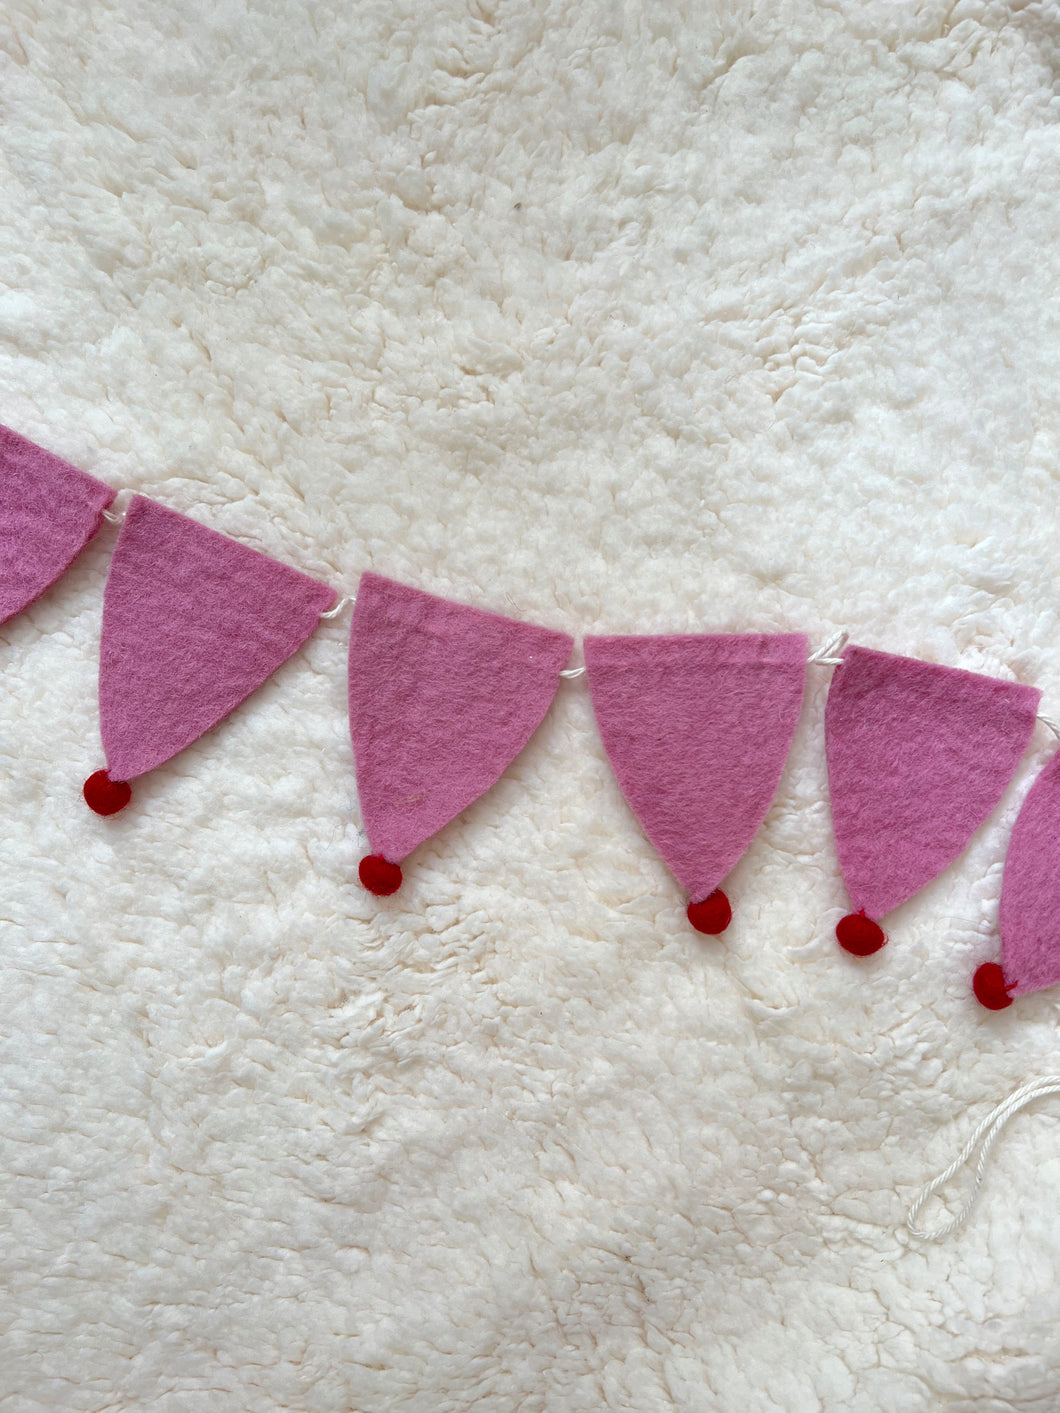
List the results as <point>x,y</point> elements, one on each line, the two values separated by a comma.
<point>712,915</point>
<point>988,983</point>
<point>859,935</point>
<point>379,875</point>
<point>106,796</point>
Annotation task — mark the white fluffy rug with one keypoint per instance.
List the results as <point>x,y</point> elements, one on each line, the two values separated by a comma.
<point>631,317</point>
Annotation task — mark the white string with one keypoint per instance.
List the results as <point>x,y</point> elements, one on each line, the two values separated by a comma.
<point>1052,725</point>
<point>826,656</point>
<point>984,1139</point>
<point>119,507</point>
<point>830,654</point>
<point>337,609</point>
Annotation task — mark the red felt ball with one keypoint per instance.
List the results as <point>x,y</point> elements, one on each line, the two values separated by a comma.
<point>379,875</point>
<point>106,796</point>
<point>859,935</point>
<point>988,983</point>
<point>712,915</point>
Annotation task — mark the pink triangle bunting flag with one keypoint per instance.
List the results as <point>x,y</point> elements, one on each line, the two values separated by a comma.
<point>193,623</point>
<point>442,699</point>
<point>1030,901</point>
<point>49,511</point>
<point>918,757</point>
<point>697,729</point>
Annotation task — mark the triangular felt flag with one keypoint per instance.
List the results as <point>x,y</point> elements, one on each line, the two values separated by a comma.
<point>697,729</point>
<point>1030,900</point>
<point>49,511</point>
<point>918,757</point>
<point>442,699</point>
<point>193,622</point>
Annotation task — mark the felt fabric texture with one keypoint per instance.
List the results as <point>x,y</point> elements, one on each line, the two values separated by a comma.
<point>1030,890</point>
<point>49,510</point>
<point>193,622</point>
<point>697,729</point>
<point>919,756</point>
<point>638,318</point>
<point>443,697</point>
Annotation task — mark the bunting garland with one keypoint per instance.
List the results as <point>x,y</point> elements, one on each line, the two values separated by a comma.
<point>48,513</point>
<point>193,623</point>
<point>443,697</point>
<point>1030,901</point>
<point>918,757</point>
<point>697,729</point>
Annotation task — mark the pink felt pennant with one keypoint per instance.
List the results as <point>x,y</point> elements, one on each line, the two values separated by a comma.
<point>1030,890</point>
<point>442,699</point>
<point>918,757</point>
<point>49,511</point>
<point>697,729</point>
<point>193,622</point>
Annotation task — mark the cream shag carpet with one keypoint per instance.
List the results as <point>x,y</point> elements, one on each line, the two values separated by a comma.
<point>617,316</point>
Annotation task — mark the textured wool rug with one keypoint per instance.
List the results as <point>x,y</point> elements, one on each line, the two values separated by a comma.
<point>633,317</point>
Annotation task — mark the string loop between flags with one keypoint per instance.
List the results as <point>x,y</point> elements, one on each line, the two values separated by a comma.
<point>118,508</point>
<point>980,1144</point>
<point>831,654</point>
<point>828,655</point>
